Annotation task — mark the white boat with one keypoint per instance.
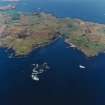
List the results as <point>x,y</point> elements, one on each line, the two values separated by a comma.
<point>38,69</point>
<point>82,67</point>
<point>45,65</point>
<point>35,71</point>
<point>37,66</point>
<point>35,77</point>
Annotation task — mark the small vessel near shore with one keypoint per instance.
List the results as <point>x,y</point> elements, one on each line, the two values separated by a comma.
<point>35,77</point>
<point>82,67</point>
<point>70,44</point>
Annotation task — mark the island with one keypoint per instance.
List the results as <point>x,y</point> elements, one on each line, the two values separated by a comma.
<point>24,32</point>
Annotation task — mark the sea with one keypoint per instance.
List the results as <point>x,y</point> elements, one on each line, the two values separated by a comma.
<point>65,83</point>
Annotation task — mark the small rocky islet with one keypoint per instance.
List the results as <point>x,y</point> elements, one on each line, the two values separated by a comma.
<point>24,32</point>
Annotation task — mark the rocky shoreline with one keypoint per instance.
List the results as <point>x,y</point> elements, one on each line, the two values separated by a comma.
<point>25,32</point>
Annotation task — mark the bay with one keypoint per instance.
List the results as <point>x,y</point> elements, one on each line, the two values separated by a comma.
<point>65,83</point>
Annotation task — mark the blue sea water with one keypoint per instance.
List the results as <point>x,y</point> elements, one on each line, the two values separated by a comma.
<point>65,83</point>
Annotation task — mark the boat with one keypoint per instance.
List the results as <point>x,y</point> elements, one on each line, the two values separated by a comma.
<point>45,65</point>
<point>35,71</point>
<point>37,66</point>
<point>72,45</point>
<point>38,69</point>
<point>82,67</point>
<point>41,71</point>
<point>35,77</point>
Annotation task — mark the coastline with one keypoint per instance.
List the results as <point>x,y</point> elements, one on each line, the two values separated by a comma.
<point>37,30</point>
<point>36,48</point>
